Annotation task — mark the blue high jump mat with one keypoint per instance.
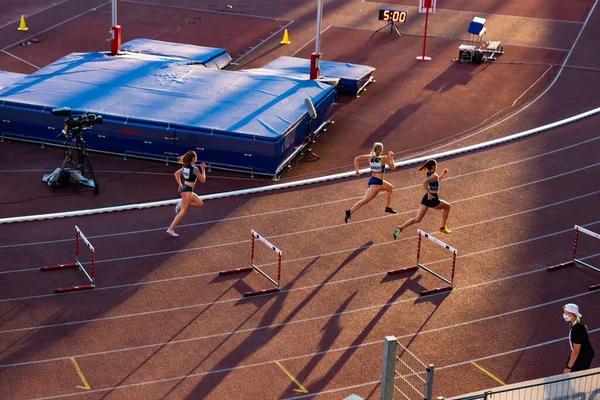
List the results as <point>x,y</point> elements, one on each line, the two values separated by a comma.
<point>210,57</point>
<point>158,107</point>
<point>353,78</point>
<point>9,78</point>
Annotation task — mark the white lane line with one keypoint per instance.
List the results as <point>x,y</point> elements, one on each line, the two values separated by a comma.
<point>523,160</point>
<point>57,25</point>
<point>308,257</point>
<point>312,230</point>
<point>37,12</point>
<point>20,59</point>
<point>377,342</point>
<point>276,33</point>
<point>309,42</point>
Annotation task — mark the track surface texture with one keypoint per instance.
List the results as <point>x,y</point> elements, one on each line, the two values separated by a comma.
<point>163,324</point>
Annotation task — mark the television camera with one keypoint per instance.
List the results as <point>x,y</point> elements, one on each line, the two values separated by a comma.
<point>78,123</point>
<point>71,171</point>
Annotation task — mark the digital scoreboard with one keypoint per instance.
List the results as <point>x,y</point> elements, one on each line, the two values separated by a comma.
<point>389,15</point>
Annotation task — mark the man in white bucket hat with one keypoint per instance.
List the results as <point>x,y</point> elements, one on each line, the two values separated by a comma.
<point>582,352</point>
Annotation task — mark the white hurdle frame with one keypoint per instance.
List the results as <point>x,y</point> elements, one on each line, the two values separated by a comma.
<point>90,276</point>
<point>256,235</point>
<point>450,281</point>
<point>577,261</point>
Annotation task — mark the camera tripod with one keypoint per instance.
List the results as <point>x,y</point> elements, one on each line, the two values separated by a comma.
<point>71,172</point>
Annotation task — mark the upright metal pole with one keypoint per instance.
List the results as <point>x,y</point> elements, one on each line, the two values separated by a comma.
<point>114,13</point>
<point>429,382</point>
<point>318,35</point>
<point>314,58</point>
<point>390,343</point>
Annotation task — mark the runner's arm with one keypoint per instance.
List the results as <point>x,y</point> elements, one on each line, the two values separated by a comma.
<point>443,174</point>
<point>365,157</point>
<point>202,175</point>
<point>389,160</point>
<point>178,176</point>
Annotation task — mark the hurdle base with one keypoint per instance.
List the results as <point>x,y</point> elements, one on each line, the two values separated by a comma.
<point>436,290</point>
<point>594,287</point>
<point>235,271</point>
<point>400,270</point>
<point>565,264</point>
<point>264,291</point>
<point>51,267</point>
<point>74,288</point>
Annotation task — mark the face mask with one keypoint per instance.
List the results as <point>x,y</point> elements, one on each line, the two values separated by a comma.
<point>566,317</point>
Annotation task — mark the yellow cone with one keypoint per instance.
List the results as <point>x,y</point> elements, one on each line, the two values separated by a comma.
<point>286,39</point>
<point>22,26</point>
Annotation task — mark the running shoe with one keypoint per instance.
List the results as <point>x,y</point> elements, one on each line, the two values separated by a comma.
<point>397,232</point>
<point>347,216</point>
<point>445,230</point>
<point>172,233</point>
<point>390,210</point>
<point>178,207</point>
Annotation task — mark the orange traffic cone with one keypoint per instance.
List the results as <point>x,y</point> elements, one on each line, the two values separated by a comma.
<point>22,26</point>
<point>286,39</point>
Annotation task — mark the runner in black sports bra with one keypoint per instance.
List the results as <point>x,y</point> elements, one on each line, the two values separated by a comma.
<point>377,163</point>
<point>431,199</point>
<point>190,174</point>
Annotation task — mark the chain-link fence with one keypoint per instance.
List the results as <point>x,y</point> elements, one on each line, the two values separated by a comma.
<point>404,376</point>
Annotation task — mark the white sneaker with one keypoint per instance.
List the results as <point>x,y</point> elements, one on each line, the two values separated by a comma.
<point>178,207</point>
<point>172,233</point>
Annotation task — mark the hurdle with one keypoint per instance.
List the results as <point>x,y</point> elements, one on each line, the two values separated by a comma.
<point>575,260</point>
<point>90,276</point>
<point>418,265</point>
<point>252,267</point>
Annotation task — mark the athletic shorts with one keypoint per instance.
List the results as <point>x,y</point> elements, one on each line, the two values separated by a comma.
<point>186,188</point>
<point>430,203</point>
<point>375,181</point>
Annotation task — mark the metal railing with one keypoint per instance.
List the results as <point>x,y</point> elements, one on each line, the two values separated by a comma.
<point>404,376</point>
<point>583,385</point>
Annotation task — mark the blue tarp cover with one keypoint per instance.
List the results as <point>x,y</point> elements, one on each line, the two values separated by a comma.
<point>208,56</point>
<point>9,78</point>
<point>156,106</point>
<point>162,92</point>
<point>352,77</point>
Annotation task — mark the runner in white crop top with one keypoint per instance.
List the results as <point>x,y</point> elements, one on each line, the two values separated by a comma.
<point>378,163</point>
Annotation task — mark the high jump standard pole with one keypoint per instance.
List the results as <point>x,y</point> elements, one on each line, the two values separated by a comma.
<point>314,57</point>
<point>115,40</point>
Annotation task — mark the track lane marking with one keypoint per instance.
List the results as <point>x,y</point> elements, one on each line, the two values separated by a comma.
<point>302,388</point>
<point>85,386</point>
<point>488,373</point>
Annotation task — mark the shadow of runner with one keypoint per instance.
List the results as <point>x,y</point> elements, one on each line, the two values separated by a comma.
<point>183,328</point>
<point>258,338</point>
<point>325,344</point>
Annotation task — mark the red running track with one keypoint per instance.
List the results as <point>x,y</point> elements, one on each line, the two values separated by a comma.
<point>162,323</point>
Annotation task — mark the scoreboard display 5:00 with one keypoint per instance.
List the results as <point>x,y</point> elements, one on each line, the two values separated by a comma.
<point>386,14</point>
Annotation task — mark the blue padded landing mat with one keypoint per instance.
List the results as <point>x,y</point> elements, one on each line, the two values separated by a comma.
<point>154,107</point>
<point>352,77</point>
<point>9,78</point>
<point>210,57</point>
